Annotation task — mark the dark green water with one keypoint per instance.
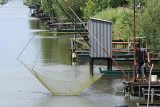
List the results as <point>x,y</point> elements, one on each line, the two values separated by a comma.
<point>19,88</point>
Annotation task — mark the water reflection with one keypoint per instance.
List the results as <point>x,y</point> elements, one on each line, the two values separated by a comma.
<point>56,50</point>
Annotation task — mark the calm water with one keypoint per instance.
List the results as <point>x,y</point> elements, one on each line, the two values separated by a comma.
<point>19,88</point>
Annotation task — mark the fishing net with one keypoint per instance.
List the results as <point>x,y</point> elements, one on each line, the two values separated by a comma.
<point>50,65</point>
<point>66,82</point>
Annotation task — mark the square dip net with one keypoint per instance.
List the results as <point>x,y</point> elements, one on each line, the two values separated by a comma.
<point>50,65</point>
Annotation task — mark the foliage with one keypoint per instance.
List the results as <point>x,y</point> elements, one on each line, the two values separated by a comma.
<point>151,24</point>
<point>52,7</point>
<point>31,2</point>
<point>127,25</point>
<point>95,6</point>
<point>137,2</point>
<point>113,15</point>
<point>122,20</point>
<point>47,8</point>
<point>110,14</point>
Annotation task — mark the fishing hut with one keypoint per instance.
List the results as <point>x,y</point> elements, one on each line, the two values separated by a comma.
<point>100,38</point>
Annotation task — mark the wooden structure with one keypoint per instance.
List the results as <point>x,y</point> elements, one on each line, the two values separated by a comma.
<point>78,46</point>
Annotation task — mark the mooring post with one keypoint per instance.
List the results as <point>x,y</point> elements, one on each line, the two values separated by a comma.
<point>91,66</point>
<point>109,64</point>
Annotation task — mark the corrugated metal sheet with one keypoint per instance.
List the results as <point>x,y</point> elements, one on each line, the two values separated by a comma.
<point>102,31</point>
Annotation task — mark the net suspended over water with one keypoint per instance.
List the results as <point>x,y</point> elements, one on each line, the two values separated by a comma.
<point>49,64</point>
<point>63,82</point>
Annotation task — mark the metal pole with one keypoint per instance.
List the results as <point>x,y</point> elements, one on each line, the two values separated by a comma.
<point>134,40</point>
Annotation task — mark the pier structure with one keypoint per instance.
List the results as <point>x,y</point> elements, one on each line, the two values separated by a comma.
<point>78,47</point>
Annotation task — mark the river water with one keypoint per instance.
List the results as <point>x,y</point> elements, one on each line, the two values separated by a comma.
<point>19,88</point>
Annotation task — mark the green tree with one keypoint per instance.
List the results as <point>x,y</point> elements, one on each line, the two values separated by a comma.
<point>95,6</point>
<point>151,24</point>
<point>52,8</point>
<point>127,25</point>
<point>31,2</point>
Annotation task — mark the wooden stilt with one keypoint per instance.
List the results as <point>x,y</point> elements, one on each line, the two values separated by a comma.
<point>109,64</point>
<point>91,66</point>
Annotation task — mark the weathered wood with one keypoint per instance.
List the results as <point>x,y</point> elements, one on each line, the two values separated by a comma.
<point>149,85</point>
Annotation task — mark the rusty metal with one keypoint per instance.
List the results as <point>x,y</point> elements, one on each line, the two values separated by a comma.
<point>116,64</point>
<point>134,41</point>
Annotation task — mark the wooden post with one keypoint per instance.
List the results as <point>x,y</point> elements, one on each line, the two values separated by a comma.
<point>129,86</point>
<point>109,64</point>
<point>142,69</point>
<point>71,51</point>
<point>129,77</point>
<point>128,43</point>
<point>124,93</point>
<point>152,95</point>
<point>134,73</point>
<point>149,85</point>
<point>91,66</point>
<point>139,91</point>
